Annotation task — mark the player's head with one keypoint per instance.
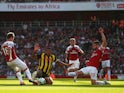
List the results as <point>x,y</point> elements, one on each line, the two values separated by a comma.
<point>10,35</point>
<point>72,41</point>
<point>95,44</point>
<point>48,51</point>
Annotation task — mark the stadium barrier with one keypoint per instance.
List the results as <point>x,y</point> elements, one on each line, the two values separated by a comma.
<point>120,77</point>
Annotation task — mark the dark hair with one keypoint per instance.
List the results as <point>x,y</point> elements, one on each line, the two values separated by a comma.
<point>48,48</point>
<point>96,42</point>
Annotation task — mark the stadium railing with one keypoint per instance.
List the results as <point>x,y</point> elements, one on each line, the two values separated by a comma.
<point>14,24</point>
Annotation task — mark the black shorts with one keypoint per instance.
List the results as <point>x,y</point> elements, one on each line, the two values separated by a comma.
<point>42,74</point>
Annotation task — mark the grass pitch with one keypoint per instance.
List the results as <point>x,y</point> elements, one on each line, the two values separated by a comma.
<point>65,85</point>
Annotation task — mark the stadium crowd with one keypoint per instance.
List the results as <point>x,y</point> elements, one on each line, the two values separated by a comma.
<point>57,37</point>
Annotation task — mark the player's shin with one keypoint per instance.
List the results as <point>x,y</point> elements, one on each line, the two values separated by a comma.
<point>71,73</point>
<point>102,83</point>
<point>19,76</point>
<point>27,72</point>
<point>29,77</point>
<point>109,74</point>
<point>34,74</point>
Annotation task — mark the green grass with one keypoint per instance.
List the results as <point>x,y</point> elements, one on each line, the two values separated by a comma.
<point>61,86</point>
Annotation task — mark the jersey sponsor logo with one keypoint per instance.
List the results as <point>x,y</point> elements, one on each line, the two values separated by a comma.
<point>73,52</point>
<point>93,55</point>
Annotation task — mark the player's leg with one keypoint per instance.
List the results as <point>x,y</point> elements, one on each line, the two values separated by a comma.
<point>103,69</point>
<point>107,70</point>
<point>18,72</point>
<point>93,75</point>
<point>101,82</point>
<point>24,67</point>
<point>77,65</point>
<point>37,74</point>
<point>19,76</point>
<point>73,68</point>
<point>82,71</point>
<point>47,77</point>
<point>49,80</point>
<point>100,73</point>
<point>109,73</point>
<point>34,75</point>
<point>92,71</point>
<point>29,76</point>
<point>71,73</point>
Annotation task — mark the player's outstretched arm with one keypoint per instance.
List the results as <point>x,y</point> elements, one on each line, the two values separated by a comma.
<point>62,63</point>
<point>104,42</point>
<point>36,47</point>
<point>35,51</point>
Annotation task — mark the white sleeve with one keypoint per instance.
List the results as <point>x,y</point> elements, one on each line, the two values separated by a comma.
<point>10,44</point>
<point>79,49</point>
<point>67,50</point>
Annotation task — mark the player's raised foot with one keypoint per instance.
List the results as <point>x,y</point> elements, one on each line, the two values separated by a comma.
<point>106,83</point>
<point>22,84</point>
<point>75,78</point>
<point>34,82</point>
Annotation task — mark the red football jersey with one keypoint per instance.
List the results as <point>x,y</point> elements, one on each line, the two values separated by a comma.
<point>5,47</point>
<point>73,51</point>
<point>95,57</point>
<point>105,55</point>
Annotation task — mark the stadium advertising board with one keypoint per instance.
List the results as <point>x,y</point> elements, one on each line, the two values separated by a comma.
<point>79,6</point>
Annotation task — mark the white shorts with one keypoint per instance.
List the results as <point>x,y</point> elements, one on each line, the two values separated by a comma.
<point>90,70</point>
<point>17,64</point>
<point>105,63</point>
<point>76,64</point>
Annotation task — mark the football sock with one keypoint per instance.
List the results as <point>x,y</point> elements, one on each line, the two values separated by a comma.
<point>109,75</point>
<point>71,74</point>
<point>19,76</point>
<point>34,74</point>
<point>100,83</point>
<point>27,72</point>
<point>101,74</point>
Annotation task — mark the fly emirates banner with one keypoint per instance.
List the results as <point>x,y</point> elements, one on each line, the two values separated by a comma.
<point>68,6</point>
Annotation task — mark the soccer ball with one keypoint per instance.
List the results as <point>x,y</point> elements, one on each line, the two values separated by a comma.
<point>41,81</point>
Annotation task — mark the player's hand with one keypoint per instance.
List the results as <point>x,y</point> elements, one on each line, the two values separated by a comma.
<point>101,30</point>
<point>36,47</point>
<point>70,64</point>
<point>86,61</point>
